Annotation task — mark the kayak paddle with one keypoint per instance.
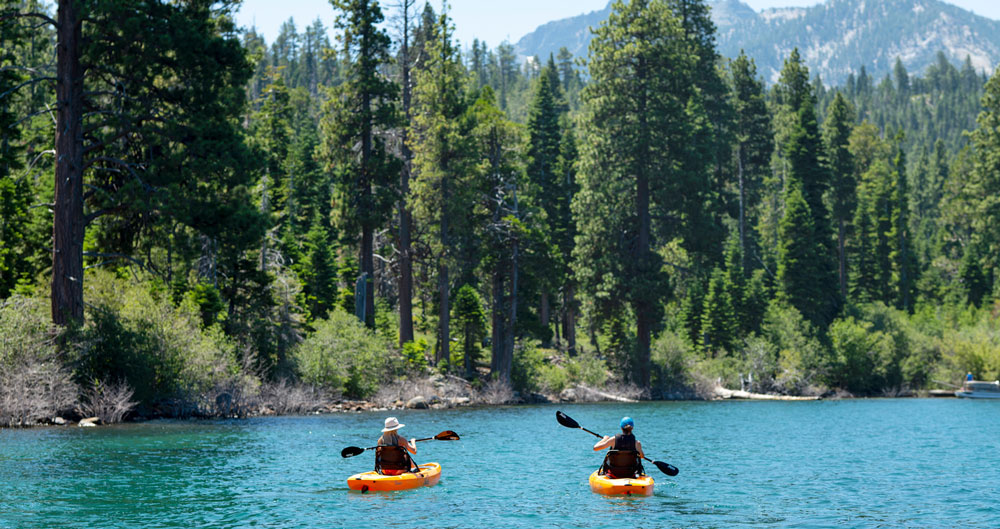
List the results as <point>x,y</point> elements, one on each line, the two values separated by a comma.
<point>568,422</point>
<point>446,435</point>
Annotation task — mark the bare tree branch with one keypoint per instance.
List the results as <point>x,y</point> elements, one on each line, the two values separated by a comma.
<point>27,83</point>
<point>47,19</point>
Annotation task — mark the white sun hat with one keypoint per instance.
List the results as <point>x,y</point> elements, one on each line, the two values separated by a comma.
<point>392,424</point>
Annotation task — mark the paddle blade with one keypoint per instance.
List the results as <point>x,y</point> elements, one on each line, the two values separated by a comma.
<point>351,451</point>
<point>666,468</point>
<point>447,435</point>
<point>566,421</point>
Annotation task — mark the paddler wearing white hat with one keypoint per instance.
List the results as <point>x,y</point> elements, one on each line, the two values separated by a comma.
<point>391,438</point>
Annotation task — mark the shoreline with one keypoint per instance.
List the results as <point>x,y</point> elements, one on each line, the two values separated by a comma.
<point>575,395</point>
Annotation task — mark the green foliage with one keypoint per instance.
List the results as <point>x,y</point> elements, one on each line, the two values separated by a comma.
<point>416,353</point>
<point>343,356</point>
<point>718,322</point>
<point>470,327</point>
<point>136,335</point>
<point>209,302</point>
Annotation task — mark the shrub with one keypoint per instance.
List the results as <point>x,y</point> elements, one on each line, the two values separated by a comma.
<point>344,356</point>
<point>108,402</point>
<point>284,397</point>
<point>671,356</point>
<point>415,353</point>
<point>136,335</point>
<point>496,392</point>
<point>527,368</point>
<point>34,386</point>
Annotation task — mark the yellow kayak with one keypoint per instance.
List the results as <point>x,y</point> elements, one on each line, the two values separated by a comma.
<point>429,475</point>
<point>640,486</point>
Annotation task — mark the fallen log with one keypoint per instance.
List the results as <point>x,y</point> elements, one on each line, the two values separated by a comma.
<point>725,394</point>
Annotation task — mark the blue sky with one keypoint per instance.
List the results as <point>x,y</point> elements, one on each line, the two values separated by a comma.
<point>489,20</point>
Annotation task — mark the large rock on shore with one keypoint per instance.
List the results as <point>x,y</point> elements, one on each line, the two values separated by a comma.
<point>417,403</point>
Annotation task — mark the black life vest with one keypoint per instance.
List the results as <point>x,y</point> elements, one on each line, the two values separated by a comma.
<point>623,459</point>
<point>624,441</point>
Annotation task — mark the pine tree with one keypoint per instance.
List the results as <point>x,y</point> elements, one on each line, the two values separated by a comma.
<point>754,144</point>
<point>638,120</point>
<point>357,111</point>
<point>836,135</point>
<point>470,321</point>
<point>799,260</point>
<point>718,321</point>
<point>808,176</point>
<point>442,158</point>
<point>904,265</point>
<point>545,143</point>
<point>986,174</point>
<point>14,191</point>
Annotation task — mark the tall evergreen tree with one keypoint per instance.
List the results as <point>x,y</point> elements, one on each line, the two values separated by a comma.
<point>836,135</point>
<point>637,126</point>
<point>808,276</point>
<point>358,112</point>
<point>986,174</point>
<point>146,134</point>
<point>442,157</point>
<point>753,144</point>
<point>14,191</point>
<point>545,142</point>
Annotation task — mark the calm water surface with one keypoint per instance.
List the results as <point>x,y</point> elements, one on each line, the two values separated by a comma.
<point>858,463</point>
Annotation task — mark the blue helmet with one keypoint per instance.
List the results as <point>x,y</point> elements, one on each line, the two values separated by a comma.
<point>626,423</point>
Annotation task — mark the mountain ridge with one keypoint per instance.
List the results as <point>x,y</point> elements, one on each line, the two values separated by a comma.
<point>835,37</point>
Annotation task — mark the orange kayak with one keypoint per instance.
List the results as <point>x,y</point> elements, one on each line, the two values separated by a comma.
<point>640,486</point>
<point>429,475</point>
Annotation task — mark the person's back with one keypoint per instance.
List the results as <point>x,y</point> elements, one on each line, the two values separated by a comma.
<point>391,458</point>
<point>624,460</point>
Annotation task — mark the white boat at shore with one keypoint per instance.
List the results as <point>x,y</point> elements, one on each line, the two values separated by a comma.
<point>974,389</point>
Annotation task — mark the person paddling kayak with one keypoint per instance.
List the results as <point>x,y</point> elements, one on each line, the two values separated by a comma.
<point>624,458</point>
<point>390,457</point>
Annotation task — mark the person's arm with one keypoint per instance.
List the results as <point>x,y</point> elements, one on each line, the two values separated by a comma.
<point>638,448</point>
<point>604,443</point>
<point>410,446</point>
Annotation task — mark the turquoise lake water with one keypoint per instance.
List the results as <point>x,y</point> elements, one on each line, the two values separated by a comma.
<point>851,463</point>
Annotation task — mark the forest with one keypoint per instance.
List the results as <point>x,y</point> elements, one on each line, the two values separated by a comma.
<point>196,222</point>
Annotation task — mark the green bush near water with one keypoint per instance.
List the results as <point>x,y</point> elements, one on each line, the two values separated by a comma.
<point>135,334</point>
<point>345,357</point>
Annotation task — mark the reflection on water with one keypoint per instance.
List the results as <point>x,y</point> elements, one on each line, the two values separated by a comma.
<point>896,463</point>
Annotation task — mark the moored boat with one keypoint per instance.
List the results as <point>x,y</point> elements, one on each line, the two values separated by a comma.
<point>975,389</point>
<point>429,475</point>
<point>603,484</point>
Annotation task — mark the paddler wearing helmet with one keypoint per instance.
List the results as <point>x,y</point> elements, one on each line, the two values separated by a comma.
<point>624,447</point>
<point>390,438</point>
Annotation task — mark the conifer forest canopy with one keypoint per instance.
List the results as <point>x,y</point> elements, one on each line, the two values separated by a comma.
<point>187,210</point>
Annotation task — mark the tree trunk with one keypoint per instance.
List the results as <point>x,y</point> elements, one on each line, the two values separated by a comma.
<point>569,319</point>
<point>544,317</point>
<point>496,347</point>
<point>743,218</point>
<point>642,257</point>
<point>405,218</point>
<point>367,230</point>
<point>508,354</point>
<point>68,221</point>
<point>468,351</point>
<point>842,251</point>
